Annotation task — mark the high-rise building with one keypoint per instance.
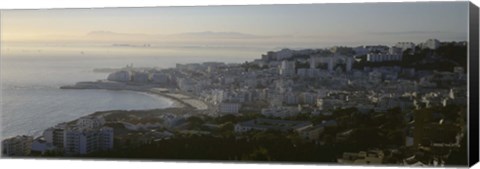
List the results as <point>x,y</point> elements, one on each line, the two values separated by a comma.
<point>349,64</point>
<point>287,68</point>
<point>313,62</point>
<point>372,57</point>
<point>17,146</point>
<point>87,140</point>
<point>330,64</point>
<point>55,135</point>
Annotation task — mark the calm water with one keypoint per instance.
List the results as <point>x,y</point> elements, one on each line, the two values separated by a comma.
<point>31,77</point>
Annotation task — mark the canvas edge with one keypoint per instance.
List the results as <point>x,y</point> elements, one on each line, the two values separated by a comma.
<point>473,45</point>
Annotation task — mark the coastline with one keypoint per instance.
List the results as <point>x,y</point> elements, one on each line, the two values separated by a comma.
<point>158,99</point>
<point>181,104</point>
<point>180,100</point>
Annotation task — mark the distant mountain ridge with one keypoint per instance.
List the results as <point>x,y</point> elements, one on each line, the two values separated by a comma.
<point>104,33</point>
<point>204,34</point>
<point>217,34</point>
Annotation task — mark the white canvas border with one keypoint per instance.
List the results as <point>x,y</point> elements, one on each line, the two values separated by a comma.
<point>48,4</point>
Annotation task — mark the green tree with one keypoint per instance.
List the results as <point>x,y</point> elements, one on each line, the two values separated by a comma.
<point>259,154</point>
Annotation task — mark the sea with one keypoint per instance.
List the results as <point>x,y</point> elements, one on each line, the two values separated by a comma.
<point>31,75</point>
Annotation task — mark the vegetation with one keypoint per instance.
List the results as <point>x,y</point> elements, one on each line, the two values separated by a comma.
<point>300,65</point>
<point>262,146</point>
<point>373,130</point>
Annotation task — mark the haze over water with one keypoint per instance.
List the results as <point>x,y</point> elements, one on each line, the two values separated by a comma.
<point>31,77</point>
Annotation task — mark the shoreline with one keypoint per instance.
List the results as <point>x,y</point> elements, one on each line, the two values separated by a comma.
<point>175,104</point>
<point>179,100</point>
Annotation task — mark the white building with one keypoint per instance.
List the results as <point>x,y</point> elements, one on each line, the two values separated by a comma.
<point>349,64</point>
<point>287,68</point>
<point>120,76</point>
<point>17,146</point>
<point>431,44</point>
<point>319,103</point>
<point>55,135</point>
<point>290,98</point>
<point>372,57</point>
<point>395,50</point>
<point>406,45</point>
<point>84,141</point>
<point>226,107</point>
<point>218,96</point>
<point>330,64</point>
<point>309,98</point>
<point>90,122</point>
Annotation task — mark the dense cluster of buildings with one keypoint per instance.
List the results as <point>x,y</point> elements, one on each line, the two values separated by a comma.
<point>283,84</point>
<point>88,134</point>
<point>289,82</point>
<point>322,79</point>
<point>17,146</point>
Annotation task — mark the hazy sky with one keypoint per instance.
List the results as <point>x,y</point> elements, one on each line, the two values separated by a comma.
<point>301,24</point>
